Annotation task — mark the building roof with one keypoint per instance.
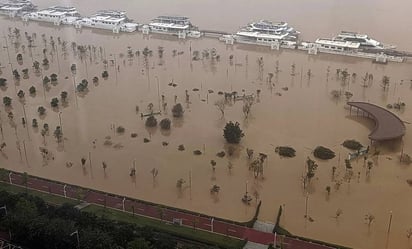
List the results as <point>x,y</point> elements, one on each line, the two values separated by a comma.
<point>387,125</point>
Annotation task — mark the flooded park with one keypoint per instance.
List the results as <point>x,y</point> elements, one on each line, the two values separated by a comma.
<point>106,85</point>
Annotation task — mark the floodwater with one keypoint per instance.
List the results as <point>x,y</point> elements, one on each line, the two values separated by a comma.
<point>303,117</point>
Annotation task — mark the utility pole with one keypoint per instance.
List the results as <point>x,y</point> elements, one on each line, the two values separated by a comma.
<point>8,53</point>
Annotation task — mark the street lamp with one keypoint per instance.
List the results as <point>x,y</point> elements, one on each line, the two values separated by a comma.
<point>158,91</point>
<point>77,236</point>
<point>389,229</point>
<point>60,121</point>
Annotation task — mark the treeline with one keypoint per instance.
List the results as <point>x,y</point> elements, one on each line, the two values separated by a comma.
<point>35,224</point>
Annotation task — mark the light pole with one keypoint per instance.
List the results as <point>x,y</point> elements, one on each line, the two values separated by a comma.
<point>389,228</point>
<point>306,205</point>
<point>10,178</point>
<point>74,89</point>
<point>27,121</point>
<point>77,236</point>
<point>8,53</point>
<point>25,152</point>
<point>61,127</point>
<point>158,91</point>
<point>212,221</point>
<point>124,199</point>
<point>60,121</point>
<point>64,191</point>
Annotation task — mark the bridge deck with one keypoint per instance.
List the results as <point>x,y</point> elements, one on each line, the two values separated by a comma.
<point>387,125</point>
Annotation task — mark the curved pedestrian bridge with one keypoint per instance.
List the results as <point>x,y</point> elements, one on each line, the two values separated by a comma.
<point>387,125</point>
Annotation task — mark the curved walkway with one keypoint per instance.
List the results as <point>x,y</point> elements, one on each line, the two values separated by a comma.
<point>387,125</point>
<point>129,205</point>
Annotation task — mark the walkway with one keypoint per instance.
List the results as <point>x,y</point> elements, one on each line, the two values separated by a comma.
<point>387,125</point>
<point>151,210</point>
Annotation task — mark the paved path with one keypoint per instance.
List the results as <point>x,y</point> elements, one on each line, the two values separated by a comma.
<point>190,219</point>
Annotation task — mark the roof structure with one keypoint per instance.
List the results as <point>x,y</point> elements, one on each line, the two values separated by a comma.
<point>388,126</point>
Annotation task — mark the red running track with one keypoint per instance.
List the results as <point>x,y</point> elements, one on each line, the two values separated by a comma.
<point>198,221</point>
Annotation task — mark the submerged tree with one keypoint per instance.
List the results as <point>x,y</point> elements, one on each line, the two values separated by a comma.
<point>232,133</point>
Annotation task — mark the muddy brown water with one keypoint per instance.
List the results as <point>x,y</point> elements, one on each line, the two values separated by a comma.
<point>303,117</point>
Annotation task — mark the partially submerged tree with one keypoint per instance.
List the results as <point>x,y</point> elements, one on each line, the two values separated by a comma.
<point>63,96</point>
<point>232,132</point>
<point>285,151</point>
<point>215,189</point>
<point>151,121</point>
<point>385,82</point>
<point>323,153</point>
<point>177,110</point>
<point>180,183</point>
<point>311,167</point>
<point>53,77</point>
<point>7,101</point>
<point>221,105</point>
<point>54,102</point>
<point>82,86</point>
<point>352,144</point>
<point>32,90</point>
<point>41,110</point>
<point>58,134</point>
<point>165,124</point>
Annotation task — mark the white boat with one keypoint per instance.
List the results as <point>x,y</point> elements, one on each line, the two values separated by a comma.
<point>172,25</point>
<point>346,48</point>
<point>114,20</point>
<point>56,14</point>
<point>364,40</point>
<point>269,27</point>
<point>275,41</point>
<point>17,7</point>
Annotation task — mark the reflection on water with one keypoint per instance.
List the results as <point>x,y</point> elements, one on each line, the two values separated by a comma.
<point>295,108</point>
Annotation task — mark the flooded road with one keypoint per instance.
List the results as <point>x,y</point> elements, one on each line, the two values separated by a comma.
<point>293,110</point>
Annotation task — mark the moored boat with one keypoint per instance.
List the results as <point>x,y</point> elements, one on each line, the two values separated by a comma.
<point>15,8</point>
<point>172,25</point>
<point>56,15</point>
<point>114,20</point>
